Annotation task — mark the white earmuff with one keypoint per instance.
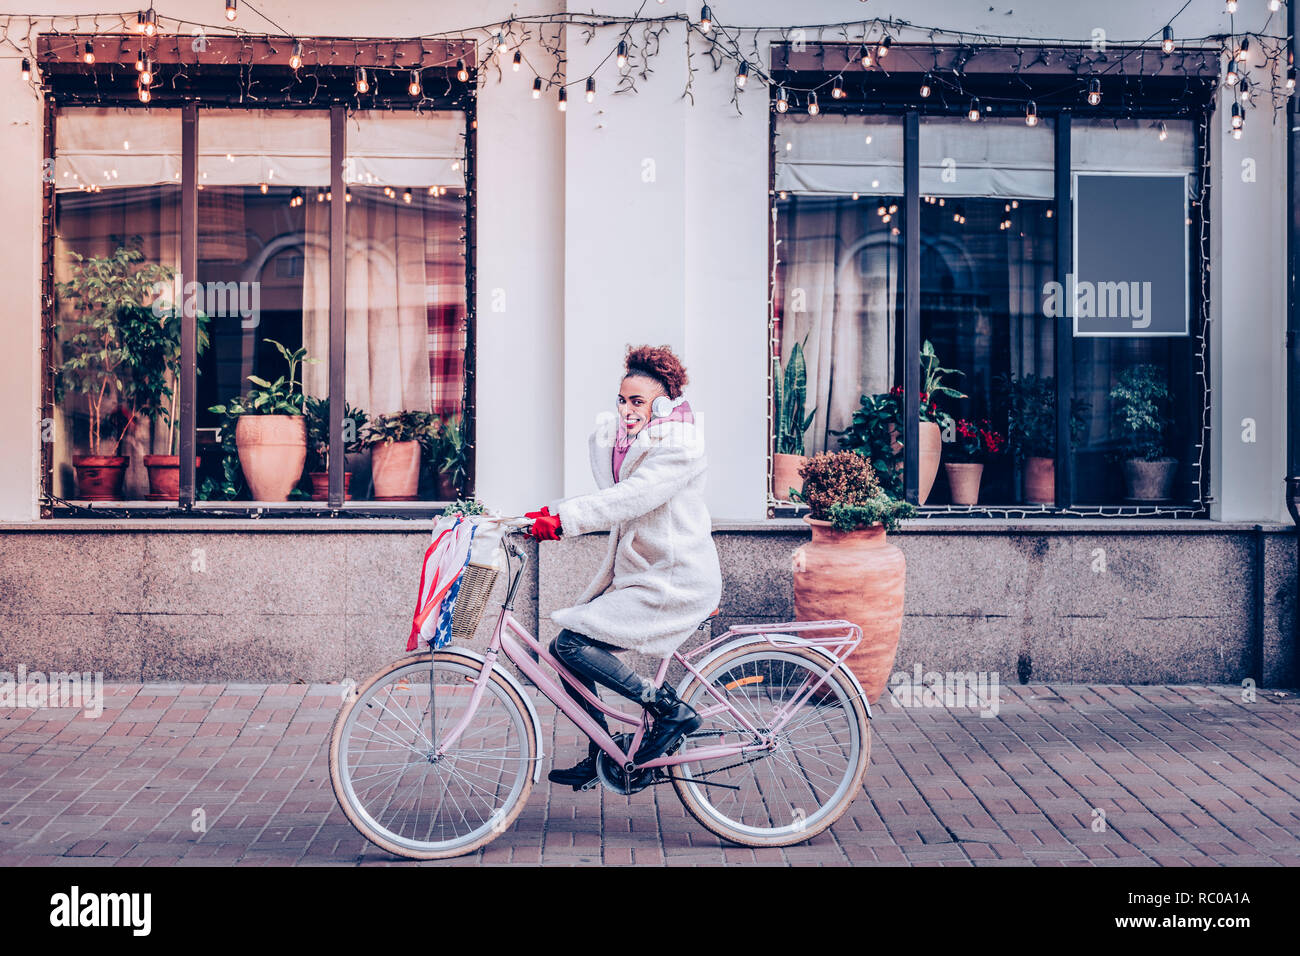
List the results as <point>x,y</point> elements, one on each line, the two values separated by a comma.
<point>662,406</point>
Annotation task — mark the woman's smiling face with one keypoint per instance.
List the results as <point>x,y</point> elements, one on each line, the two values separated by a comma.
<point>635,396</point>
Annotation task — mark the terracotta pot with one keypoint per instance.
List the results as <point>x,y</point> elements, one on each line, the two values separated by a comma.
<point>395,470</point>
<point>964,481</point>
<point>165,476</point>
<point>447,488</point>
<point>856,576</point>
<point>320,485</point>
<point>272,451</point>
<point>929,451</point>
<point>1040,480</point>
<point>99,477</point>
<point>785,475</point>
<point>1150,480</point>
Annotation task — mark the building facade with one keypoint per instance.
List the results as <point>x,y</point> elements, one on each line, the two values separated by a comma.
<point>872,186</point>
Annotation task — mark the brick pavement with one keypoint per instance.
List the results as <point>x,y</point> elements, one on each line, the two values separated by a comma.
<point>1183,775</point>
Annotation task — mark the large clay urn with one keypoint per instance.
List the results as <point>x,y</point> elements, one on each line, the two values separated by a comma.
<point>929,449</point>
<point>856,576</point>
<point>272,451</point>
<point>785,475</point>
<point>395,469</point>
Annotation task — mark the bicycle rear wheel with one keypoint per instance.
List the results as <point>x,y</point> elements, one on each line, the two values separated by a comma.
<point>796,790</point>
<point>387,780</point>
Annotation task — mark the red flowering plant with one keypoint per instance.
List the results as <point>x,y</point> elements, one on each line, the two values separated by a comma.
<point>974,442</point>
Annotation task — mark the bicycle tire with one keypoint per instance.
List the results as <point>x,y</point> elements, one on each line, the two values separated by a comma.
<point>689,793</point>
<point>358,818</point>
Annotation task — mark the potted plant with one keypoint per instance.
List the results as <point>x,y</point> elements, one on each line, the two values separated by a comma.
<point>155,336</point>
<point>877,426</point>
<point>849,570</point>
<point>316,412</point>
<point>394,439</point>
<point>104,294</point>
<point>789,392</point>
<point>973,444</point>
<point>1141,414</point>
<point>452,459</point>
<point>270,431</point>
<point>1031,429</point>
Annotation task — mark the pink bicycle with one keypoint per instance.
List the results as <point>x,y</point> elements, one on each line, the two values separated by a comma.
<point>436,754</point>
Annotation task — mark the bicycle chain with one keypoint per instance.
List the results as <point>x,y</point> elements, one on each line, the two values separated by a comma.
<point>706,733</point>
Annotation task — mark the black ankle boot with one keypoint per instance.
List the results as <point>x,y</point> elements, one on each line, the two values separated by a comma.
<point>673,720</point>
<point>577,776</point>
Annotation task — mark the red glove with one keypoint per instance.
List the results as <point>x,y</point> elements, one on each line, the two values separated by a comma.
<point>546,526</point>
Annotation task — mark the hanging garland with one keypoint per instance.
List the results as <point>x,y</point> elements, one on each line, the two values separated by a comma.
<point>636,40</point>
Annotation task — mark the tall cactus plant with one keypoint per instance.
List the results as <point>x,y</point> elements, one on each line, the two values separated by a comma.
<point>790,389</point>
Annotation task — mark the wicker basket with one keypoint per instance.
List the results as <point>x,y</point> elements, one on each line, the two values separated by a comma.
<point>476,583</point>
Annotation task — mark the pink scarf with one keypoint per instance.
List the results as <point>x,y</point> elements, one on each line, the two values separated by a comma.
<point>680,413</point>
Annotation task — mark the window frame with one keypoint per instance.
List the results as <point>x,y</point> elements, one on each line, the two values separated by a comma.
<point>895,94</point>
<point>64,79</point>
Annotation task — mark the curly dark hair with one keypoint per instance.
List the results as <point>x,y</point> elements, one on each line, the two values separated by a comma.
<point>659,364</point>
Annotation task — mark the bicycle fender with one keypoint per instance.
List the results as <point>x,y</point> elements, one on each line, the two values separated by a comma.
<point>517,688</point>
<point>758,639</point>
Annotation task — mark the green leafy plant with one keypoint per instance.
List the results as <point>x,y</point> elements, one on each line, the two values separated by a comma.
<point>790,389</point>
<point>407,425</point>
<point>108,297</point>
<point>841,487</point>
<point>975,442</point>
<point>1031,415</point>
<point>317,413</point>
<point>1142,411</point>
<point>452,455</point>
<point>154,337</point>
<point>874,434</point>
<point>468,506</point>
<point>932,376</point>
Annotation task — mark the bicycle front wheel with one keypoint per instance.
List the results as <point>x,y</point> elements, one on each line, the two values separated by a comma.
<point>390,784</point>
<point>814,770</point>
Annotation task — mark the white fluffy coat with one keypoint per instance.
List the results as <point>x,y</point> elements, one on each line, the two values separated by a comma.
<point>660,576</point>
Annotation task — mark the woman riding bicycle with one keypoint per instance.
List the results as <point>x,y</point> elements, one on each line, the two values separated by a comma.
<point>660,576</point>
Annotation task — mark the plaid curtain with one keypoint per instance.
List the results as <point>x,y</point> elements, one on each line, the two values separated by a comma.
<point>445,278</point>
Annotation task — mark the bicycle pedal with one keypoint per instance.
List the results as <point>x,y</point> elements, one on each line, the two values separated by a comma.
<point>589,785</point>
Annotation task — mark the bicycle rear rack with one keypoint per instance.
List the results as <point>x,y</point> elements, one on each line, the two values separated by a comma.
<point>839,645</point>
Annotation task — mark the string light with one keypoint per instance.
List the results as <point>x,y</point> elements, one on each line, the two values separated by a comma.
<point>563,102</point>
<point>518,58</point>
<point>925,85</point>
<point>406,197</point>
<point>1290,79</point>
<point>1231,77</point>
<point>150,22</point>
<point>501,43</point>
<point>1245,90</point>
<point>295,57</point>
<point>813,107</point>
<point>1232,6</point>
<point>706,19</point>
<point>1031,113</point>
<point>742,73</point>
<point>363,84</point>
<point>146,75</point>
<point>1274,5</point>
<point>462,74</point>
<point>1237,119</point>
<point>414,86</point>
<point>537,88</point>
<point>882,50</point>
<point>231,12</point>
<point>866,58</point>
<point>782,100</point>
<point>622,54</point>
<point>837,88</point>
<point>1167,44</point>
<point>973,114</point>
<point>1243,51</point>
<point>88,56</point>
<point>591,92</point>
<point>139,22</point>
<point>1094,92</point>
<point>27,69</point>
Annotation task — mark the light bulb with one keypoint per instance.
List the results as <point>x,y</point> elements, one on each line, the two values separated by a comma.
<point>414,86</point>
<point>146,76</point>
<point>363,85</point>
<point>139,61</point>
<point>973,114</point>
<point>837,89</point>
<point>295,58</point>
<point>231,13</point>
<point>1031,113</point>
<point>882,50</point>
<point>89,55</point>
<point>706,19</point>
<point>462,74</point>
<point>501,43</point>
<point>1274,5</point>
<point>1237,119</point>
<point>1232,6</point>
<point>782,100</point>
<point>1094,92</point>
<point>742,73</point>
<point>925,85</point>
<point>1243,51</point>
<point>150,22</point>
<point>144,94</point>
<point>406,197</point>
<point>1231,77</point>
<point>1167,44</point>
<point>1245,90</point>
<point>563,101</point>
<point>813,107</point>
<point>591,89</point>
<point>537,88</point>
<point>514,63</point>
<point>866,58</point>
<point>621,57</point>
<point>27,69</point>
<point>139,21</point>
<point>1290,79</point>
